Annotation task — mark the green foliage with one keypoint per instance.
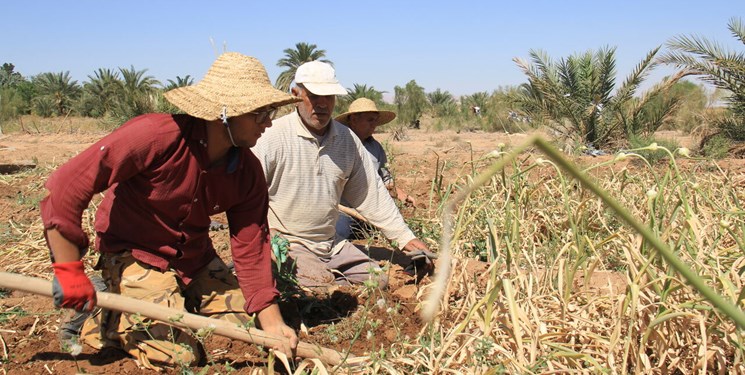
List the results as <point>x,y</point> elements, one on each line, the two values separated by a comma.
<point>43,106</point>
<point>712,62</point>
<point>411,102</point>
<point>164,106</point>
<point>284,273</point>
<point>690,101</point>
<point>359,91</point>
<point>9,314</point>
<point>11,103</point>
<point>479,99</point>
<point>280,248</point>
<point>721,67</point>
<point>497,111</point>
<point>179,82</point>
<point>9,77</point>
<point>27,91</point>
<point>501,114</point>
<point>732,127</point>
<point>442,103</point>
<point>57,89</point>
<point>139,95</point>
<point>576,96</point>
<point>101,93</point>
<point>652,115</point>
<point>449,122</point>
<point>716,147</point>
<point>652,156</point>
<point>302,53</point>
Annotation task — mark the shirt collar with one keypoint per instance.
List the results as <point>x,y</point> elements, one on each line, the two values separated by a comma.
<point>198,134</point>
<point>303,131</point>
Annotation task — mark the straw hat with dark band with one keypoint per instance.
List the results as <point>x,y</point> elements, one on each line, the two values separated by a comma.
<point>362,105</point>
<point>236,82</point>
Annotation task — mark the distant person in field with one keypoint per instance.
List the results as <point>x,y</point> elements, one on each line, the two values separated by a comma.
<point>363,117</point>
<point>166,175</point>
<point>312,163</point>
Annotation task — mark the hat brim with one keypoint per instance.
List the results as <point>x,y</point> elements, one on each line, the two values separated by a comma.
<point>384,117</point>
<point>325,89</point>
<point>194,101</point>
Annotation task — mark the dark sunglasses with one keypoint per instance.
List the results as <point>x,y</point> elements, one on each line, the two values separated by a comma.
<point>264,115</point>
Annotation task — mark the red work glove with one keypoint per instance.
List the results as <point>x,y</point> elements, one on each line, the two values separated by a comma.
<point>71,288</point>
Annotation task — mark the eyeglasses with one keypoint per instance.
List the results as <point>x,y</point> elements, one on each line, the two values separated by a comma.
<point>264,115</point>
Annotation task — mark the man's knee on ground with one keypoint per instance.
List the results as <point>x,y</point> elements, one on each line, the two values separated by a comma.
<point>158,351</point>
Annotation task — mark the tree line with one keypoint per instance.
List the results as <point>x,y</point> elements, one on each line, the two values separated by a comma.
<point>574,97</point>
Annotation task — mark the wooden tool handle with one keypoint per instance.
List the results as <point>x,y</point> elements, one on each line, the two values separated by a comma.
<point>178,318</point>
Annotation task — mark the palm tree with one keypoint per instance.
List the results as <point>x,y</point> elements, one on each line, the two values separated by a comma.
<point>359,91</point>
<point>11,100</point>
<point>479,99</point>
<point>11,104</point>
<point>576,96</point>
<point>136,82</point>
<point>442,102</point>
<point>101,92</point>
<point>723,68</point>
<point>58,89</point>
<point>8,76</point>
<point>302,53</point>
<point>180,82</point>
<point>139,94</point>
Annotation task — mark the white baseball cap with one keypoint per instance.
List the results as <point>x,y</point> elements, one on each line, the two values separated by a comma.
<point>319,78</point>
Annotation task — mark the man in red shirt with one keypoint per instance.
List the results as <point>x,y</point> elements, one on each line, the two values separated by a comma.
<point>166,175</point>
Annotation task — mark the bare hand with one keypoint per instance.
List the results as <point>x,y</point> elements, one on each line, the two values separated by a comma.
<point>407,199</point>
<point>270,320</point>
<point>283,330</point>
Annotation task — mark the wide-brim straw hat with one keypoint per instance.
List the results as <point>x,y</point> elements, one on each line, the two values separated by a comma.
<point>235,82</point>
<point>366,105</point>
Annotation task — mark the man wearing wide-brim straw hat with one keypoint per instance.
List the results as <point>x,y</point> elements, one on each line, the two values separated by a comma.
<point>166,175</point>
<point>363,117</point>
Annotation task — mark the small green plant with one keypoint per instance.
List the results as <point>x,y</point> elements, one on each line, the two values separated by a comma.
<point>485,352</point>
<point>16,311</point>
<point>73,347</point>
<point>331,333</point>
<point>716,147</point>
<point>652,156</point>
<point>284,272</point>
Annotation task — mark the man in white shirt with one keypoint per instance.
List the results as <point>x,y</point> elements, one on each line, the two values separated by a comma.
<point>312,162</point>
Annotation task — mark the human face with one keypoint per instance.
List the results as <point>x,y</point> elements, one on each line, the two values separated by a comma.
<point>248,128</point>
<point>264,114</point>
<point>363,124</point>
<point>314,110</point>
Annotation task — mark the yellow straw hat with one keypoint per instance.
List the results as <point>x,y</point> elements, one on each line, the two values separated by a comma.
<point>366,105</point>
<point>236,83</point>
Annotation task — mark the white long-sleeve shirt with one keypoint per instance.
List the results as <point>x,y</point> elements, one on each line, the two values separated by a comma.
<point>308,179</point>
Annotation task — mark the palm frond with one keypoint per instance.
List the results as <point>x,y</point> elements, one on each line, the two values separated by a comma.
<point>737,28</point>
<point>631,84</point>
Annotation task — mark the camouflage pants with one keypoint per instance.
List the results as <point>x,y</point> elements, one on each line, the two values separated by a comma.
<point>213,292</point>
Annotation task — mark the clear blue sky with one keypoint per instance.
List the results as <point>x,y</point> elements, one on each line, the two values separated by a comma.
<point>459,46</point>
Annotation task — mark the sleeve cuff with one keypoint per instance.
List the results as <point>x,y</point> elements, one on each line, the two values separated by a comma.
<point>261,300</point>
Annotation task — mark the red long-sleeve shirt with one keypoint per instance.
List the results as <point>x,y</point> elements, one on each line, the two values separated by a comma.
<point>161,193</point>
